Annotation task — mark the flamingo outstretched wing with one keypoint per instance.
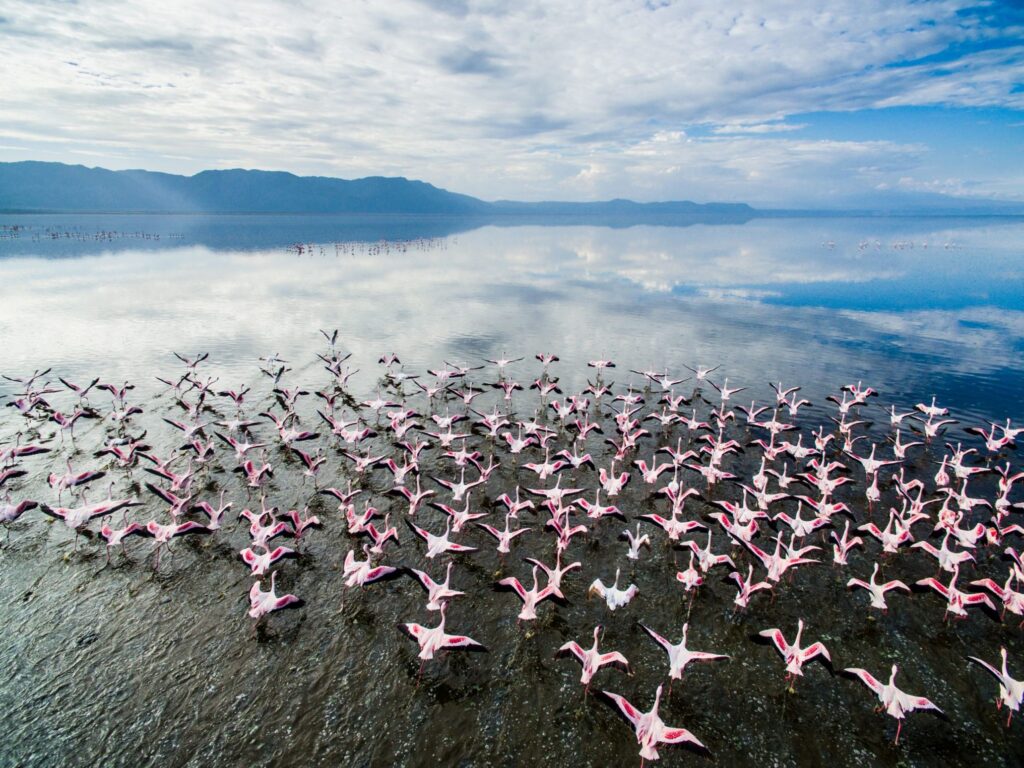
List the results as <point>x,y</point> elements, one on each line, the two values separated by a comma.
<point>867,678</point>
<point>628,710</point>
<point>679,736</point>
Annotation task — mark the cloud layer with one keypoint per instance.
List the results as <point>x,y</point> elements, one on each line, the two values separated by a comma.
<point>530,100</point>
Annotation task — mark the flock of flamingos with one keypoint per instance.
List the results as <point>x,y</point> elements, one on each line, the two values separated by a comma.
<point>437,451</point>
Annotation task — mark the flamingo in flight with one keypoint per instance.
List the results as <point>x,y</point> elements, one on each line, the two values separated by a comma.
<point>612,595</point>
<point>261,603</point>
<point>531,598</point>
<point>592,659</point>
<point>876,590</point>
<point>795,656</point>
<point>434,639</point>
<point>1011,692</point>
<point>895,702</point>
<point>650,730</point>
<point>437,591</point>
<point>678,654</point>
<point>439,544</point>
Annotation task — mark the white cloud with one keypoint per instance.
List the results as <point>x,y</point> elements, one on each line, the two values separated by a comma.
<point>457,93</point>
<point>731,128</point>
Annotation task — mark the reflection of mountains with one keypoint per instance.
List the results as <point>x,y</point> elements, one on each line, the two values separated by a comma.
<point>57,235</point>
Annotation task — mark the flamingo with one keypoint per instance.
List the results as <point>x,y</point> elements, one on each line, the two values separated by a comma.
<point>650,730</point>
<point>690,578</point>
<point>894,701</point>
<point>592,659</point>
<point>113,537</point>
<point>947,558</point>
<point>439,544</point>
<point>636,540</point>
<point>261,603</point>
<point>705,557</point>
<point>531,598</point>
<point>437,592</point>
<point>795,656</point>
<point>1011,692</point>
<point>9,511</point>
<point>434,639</point>
<point>612,595</point>
<point>458,517</point>
<point>362,572</point>
<point>956,601</point>
<point>679,655</point>
<point>458,489</point>
<point>597,510</point>
<point>1013,601</point>
<point>841,549</point>
<point>554,575</point>
<point>505,536</point>
<point>747,586</point>
<point>75,518</point>
<point>515,506</point>
<point>259,563</point>
<point>71,478</point>
<point>877,590</point>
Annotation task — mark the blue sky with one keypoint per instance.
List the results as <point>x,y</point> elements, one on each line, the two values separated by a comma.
<point>772,102</point>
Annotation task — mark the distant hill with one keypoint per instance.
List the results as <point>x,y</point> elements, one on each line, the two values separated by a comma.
<point>56,187</point>
<point>621,208</point>
<point>36,186</point>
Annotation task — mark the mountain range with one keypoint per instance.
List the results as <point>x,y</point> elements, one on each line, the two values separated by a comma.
<point>55,187</point>
<point>33,186</point>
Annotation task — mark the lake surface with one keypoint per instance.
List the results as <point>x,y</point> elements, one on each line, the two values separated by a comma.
<point>126,664</point>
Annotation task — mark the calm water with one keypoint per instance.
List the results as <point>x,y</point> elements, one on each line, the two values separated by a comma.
<point>123,665</point>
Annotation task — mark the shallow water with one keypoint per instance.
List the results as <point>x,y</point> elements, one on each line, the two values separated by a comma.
<point>125,664</point>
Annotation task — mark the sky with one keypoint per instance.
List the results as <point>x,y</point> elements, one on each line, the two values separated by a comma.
<point>778,103</point>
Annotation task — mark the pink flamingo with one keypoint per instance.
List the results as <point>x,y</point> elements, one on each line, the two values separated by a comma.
<point>795,656</point>
<point>592,659</point>
<point>437,592</point>
<point>1011,692</point>
<point>434,639</point>
<point>531,598</point>
<point>650,730</point>
<point>894,701</point>
<point>261,603</point>
<point>679,655</point>
<point>876,590</point>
